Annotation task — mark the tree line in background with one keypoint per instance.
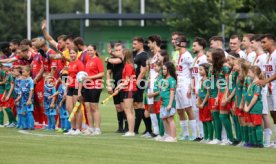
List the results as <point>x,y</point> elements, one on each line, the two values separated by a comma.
<point>194,17</point>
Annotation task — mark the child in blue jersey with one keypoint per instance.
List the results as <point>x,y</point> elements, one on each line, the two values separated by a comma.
<point>49,101</point>
<point>27,90</point>
<point>61,105</point>
<point>17,96</point>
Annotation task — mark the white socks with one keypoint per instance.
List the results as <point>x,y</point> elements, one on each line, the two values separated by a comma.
<point>193,128</point>
<point>154,123</point>
<point>267,136</point>
<point>184,127</point>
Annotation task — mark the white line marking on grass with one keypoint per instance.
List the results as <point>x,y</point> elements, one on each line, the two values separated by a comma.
<point>103,137</point>
<point>37,134</point>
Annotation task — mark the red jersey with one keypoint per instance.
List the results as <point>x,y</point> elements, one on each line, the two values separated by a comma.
<point>84,57</point>
<point>73,68</point>
<point>93,67</point>
<point>23,61</point>
<point>37,64</point>
<point>129,71</point>
<point>49,63</point>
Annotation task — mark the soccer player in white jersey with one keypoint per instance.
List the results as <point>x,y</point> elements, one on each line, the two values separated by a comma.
<point>260,60</point>
<point>250,54</point>
<point>235,45</point>
<point>268,42</point>
<point>217,42</point>
<point>199,44</point>
<point>154,43</point>
<point>175,53</point>
<point>183,90</point>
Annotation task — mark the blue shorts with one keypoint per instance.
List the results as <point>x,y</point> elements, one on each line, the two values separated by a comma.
<point>164,113</point>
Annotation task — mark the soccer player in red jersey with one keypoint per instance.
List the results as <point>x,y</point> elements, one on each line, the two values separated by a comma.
<point>92,88</point>
<point>74,91</point>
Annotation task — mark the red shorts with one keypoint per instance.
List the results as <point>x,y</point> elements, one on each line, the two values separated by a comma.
<point>156,107</point>
<point>146,107</point>
<point>239,112</point>
<point>9,103</point>
<point>247,117</point>
<point>39,91</point>
<point>256,119</point>
<point>227,105</point>
<point>205,114</point>
<point>1,103</point>
<point>212,103</point>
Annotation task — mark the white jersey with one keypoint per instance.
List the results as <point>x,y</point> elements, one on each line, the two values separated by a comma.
<point>251,57</point>
<point>152,72</point>
<point>242,54</point>
<point>196,78</point>
<point>271,68</point>
<point>260,61</point>
<point>184,65</point>
<point>226,54</point>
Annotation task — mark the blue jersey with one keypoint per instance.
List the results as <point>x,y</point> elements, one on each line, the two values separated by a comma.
<point>61,90</point>
<point>49,91</point>
<point>26,86</point>
<point>63,113</point>
<point>17,93</point>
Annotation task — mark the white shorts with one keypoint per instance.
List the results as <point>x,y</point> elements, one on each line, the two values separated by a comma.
<point>194,99</point>
<point>150,100</point>
<point>182,101</point>
<point>272,102</point>
<point>265,103</point>
<point>164,113</point>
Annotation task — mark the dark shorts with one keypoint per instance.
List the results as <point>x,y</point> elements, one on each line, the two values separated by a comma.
<point>119,97</point>
<point>72,92</point>
<point>139,95</point>
<point>129,94</point>
<point>91,95</point>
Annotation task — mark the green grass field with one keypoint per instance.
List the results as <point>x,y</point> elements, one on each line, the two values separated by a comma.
<point>49,147</point>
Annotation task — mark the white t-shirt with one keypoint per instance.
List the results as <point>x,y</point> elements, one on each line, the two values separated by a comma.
<point>260,61</point>
<point>242,54</point>
<point>196,78</point>
<point>271,68</point>
<point>251,57</point>
<point>183,67</point>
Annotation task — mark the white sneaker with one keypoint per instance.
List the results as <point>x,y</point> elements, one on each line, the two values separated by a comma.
<point>2,126</point>
<point>11,125</point>
<point>129,134</point>
<point>86,132</point>
<point>240,144</point>
<point>170,139</point>
<point>214,142</point>
<point>204,141</point>
<point>146,135</point>
<point>70,132</point>
<point>76,132</point>
<point>226,143</point>
<point>96,133</point>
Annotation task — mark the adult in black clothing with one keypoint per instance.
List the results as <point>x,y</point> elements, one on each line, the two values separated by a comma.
<point>140,61</point>
<point>115,68</point>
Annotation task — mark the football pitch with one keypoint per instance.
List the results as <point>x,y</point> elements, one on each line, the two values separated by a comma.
<point>40,146</point>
